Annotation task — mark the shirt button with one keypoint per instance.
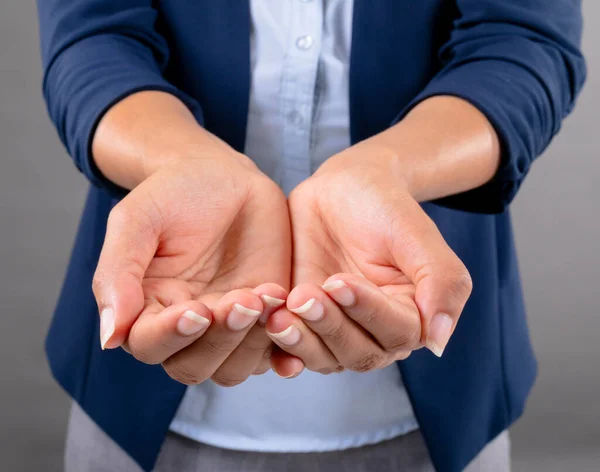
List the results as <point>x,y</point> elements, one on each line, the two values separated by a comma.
<point>305,42</point>
<point>295,118</point>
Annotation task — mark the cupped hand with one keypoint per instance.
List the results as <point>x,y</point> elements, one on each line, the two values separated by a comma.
<point>181,277</point>
<point>374,278</point>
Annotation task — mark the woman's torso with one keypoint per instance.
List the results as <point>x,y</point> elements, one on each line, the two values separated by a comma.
<point>298,117</point>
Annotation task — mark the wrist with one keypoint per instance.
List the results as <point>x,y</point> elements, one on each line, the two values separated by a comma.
<point>375,158</point>
<point>148,130</point>
<point>395,163</point>
<point>197,149</point>
<point>442,147</point>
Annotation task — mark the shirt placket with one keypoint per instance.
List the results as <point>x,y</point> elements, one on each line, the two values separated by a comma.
<point>298,89</point>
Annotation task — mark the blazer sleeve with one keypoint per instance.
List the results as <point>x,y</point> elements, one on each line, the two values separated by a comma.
<point>94,54</point>
<point>518,62</point>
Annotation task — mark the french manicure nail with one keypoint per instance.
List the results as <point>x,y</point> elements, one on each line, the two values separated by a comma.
<point>340,292</point>
<point>289,336</point>
<point>439,333</point>
<point>241,317</point>
<point>107,326</point>
<point>191,323</point>
<point>291,376</point>
<point>271,302</point>
<point>312,310</point>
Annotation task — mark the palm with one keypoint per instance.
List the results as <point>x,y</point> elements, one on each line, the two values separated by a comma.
<point>220,236</point>
<point>345,223</point>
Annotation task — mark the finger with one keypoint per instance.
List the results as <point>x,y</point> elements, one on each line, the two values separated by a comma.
<point>160,332</point>
<point>308,235</point>
<point>443,284</point>
<point>246,358</point>
<point>352,346</point>
<point>233,317</point>
<point>393,320</point>
<point>285,365</point>
<point>290,333</point>
<point>273,297</point>
<point>129,246</point>
<point>265,364</point>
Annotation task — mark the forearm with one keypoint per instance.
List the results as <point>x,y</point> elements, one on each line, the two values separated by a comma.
<point>444,146</point>
<point>144,131</point>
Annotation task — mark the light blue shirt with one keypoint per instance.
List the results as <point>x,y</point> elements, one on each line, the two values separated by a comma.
<point>298,117</point>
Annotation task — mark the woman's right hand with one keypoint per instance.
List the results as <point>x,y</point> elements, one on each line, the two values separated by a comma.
<point>180,279</point>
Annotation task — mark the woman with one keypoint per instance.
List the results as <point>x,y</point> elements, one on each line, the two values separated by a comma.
<point>399,133</point>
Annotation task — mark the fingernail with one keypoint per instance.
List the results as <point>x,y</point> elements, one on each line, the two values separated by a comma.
<point>270,302</point>
<point>292,376</point>
<point>241,317</point>
<point>107,326</point>
<point>439,333</point>
<point>191,323</point>
<point>340,292</point>
<point>289,336</point>
<point>312,310</point>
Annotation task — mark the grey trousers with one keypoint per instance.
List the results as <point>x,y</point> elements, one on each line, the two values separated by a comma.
<point>89,449</point>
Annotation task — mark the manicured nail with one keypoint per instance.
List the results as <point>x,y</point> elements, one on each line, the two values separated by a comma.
<point>241,317</point>
<point>295,372</point>
<point>289,336</point>
<point>340,292</point>
<point>191,323</point>
<point>292,376</point>
<point>312,310</point>
<point>107,326</point>
<point>271,302</point>
<point>439,333</point>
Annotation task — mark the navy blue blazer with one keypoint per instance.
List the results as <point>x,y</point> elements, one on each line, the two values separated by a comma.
<point>518,61</point>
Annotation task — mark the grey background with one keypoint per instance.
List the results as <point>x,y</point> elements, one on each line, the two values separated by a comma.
<point>557,226</point>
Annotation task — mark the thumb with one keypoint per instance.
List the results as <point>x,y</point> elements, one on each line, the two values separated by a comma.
<point>130,244</point>
<point>441,296</point>
<point>443,284</point>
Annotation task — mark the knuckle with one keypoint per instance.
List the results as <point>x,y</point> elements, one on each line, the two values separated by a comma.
<point>143,356</point>
<point>369,314</point>
<point>181,374</point>
<point>218,348</point>
<point>330,370</point>
<point>462,283</point>
<point>401,340</point>
<point>368,362</point>
<point>325,371</point>
<point>334,332</point>
<point>256,347</point>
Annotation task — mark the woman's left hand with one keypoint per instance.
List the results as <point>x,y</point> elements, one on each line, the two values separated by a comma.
<point>348,323</point>
<point>397,284</point>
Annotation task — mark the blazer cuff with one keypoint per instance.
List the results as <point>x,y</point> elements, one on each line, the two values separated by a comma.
<point>80,86</point>
<point>87,165</point>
